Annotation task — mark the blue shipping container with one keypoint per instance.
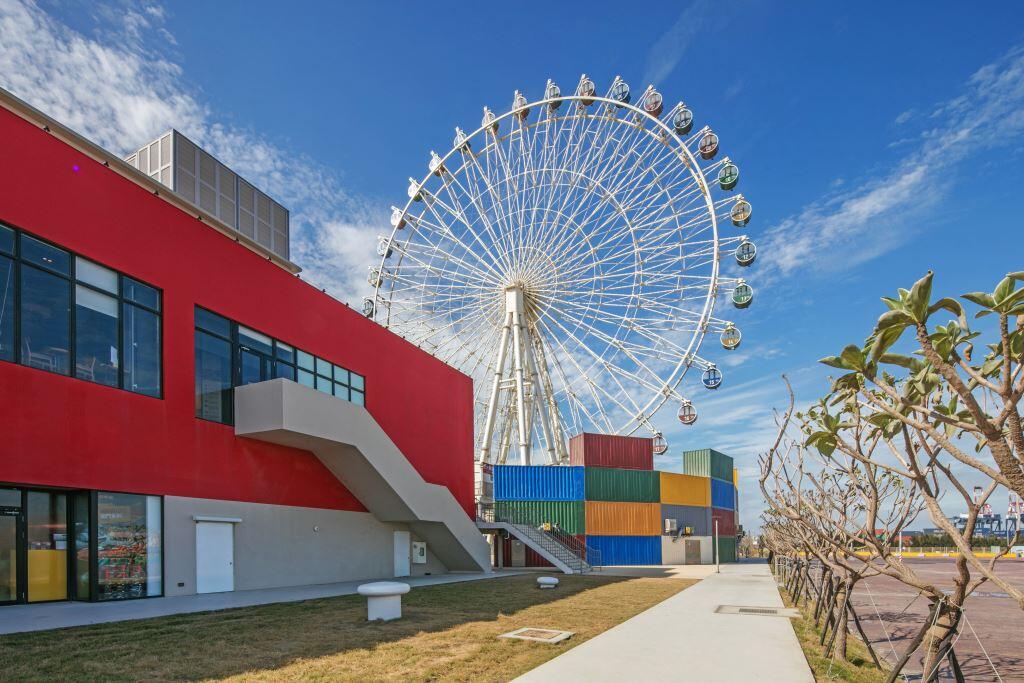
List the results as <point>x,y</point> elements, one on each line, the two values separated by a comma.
<point>723,495</point>
<point>621,550</point>
<point>538,482</point>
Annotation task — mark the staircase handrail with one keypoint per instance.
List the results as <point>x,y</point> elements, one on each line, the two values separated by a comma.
<point>577,548</point>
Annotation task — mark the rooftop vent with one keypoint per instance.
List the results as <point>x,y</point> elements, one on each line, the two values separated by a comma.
<point>196,176</point>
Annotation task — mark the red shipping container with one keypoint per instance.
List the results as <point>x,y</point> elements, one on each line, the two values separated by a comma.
<point>532,557</point>
<point>726,522</point>
<point>609,450</point>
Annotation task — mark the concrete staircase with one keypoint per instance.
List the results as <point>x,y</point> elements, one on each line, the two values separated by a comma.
<point>347,439</point>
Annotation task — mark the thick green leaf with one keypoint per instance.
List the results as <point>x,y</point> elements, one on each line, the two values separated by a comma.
<point>919,298</point>
<point>983,299</point>
<point>953,306</point>
<point>902,361</point>
<point>1003,289</point>
<point>894,319</point>
<point>853,357</point>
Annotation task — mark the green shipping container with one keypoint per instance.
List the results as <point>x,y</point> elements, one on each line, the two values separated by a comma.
<point>568,515</point>
<point>707,462</point>
<point>622,486</point>
<point>727,546</point>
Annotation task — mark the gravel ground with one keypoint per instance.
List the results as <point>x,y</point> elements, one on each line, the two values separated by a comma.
<point>997,621</point>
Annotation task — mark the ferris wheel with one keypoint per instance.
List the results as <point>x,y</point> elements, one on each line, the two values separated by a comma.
<point>567,256</point>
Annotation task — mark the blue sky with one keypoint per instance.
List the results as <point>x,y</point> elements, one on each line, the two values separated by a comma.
<point>875,141</point>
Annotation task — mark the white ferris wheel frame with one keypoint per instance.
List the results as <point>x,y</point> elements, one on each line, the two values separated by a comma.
<point>516,335</point>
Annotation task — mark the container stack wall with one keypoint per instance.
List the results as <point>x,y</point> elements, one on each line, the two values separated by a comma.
<point>566,515</point>
<point>698,519</point>
<point>623,519</point>
<point>723,495</point>
<point>726,522</point>
<point>684,489</point>
<point>622,485</point>
<point>538,482</point>
<point>627,550</point>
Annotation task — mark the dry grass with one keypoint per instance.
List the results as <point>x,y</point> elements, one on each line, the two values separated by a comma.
<point>448,632</point>
<point>859,669</point>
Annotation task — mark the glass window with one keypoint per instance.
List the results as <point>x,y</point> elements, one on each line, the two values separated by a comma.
<point>45,255</point>
<point>211,322</point>
<point>254,367</point>
<point>285,352</point>
<point>128,546</point>
<point>257,341</point>
<point>305,360</point>
<point>325,385</point>
<point>323,367</point>
<point>358,397</point>
<point>95,275</point>
<point>45,320</point>
<point>6,308</point>
<point>80,544</point>
<point>136,292</point>
<point>213,378</point>
<point>357,381</point>
<point>306,379</point>
<point>141,351</point>
<point>96,333</point>
<point>284,371</point>
<point>341,375</point>
<point>47,540</point>
<point>6,240</point>
<point>341,390</point>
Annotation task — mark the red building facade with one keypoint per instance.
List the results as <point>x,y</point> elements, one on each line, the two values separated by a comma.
<point>70,434</point>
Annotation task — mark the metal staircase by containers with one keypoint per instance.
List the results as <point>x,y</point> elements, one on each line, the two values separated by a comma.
<point>563,550</point>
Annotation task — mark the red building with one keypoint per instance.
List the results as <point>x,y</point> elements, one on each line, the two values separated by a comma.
<point>127,318</point>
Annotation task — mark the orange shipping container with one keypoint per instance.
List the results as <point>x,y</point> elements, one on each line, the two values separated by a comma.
<point>684,489</point>
<point>623,519</point>
<point>735,477</point>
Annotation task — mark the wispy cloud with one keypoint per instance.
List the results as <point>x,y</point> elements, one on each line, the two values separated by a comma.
<point>117,89</point>
<point>860,222</point>
<point>668,51</point>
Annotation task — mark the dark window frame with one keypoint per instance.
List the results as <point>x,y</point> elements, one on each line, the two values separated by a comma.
<point>71,277</point>
<point>274,358</point>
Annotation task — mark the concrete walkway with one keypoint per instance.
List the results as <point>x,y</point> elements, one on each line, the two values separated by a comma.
<point>683,638</point>
<point>21,618</point>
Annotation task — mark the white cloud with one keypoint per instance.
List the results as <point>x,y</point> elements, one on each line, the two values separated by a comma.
<point>665,54</point>
<point>904,117</point>
<point>866,220</point>
<point>118,90</point>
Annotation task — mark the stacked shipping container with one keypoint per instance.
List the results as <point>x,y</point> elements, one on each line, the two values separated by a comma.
<point>611,497</point>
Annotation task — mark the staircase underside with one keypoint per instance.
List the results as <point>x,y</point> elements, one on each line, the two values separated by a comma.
<point>347,439</point>
<point>540,549</point>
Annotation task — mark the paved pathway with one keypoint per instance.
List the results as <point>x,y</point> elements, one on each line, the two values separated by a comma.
<point>20,618</point>
<point>683,638</point>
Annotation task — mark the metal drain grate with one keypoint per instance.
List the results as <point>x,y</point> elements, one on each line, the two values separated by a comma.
<point>540,635</point>
<point>758,611</point>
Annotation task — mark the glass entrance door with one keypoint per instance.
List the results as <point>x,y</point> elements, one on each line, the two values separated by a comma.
<point>47,527</point>
<point>10,535</point>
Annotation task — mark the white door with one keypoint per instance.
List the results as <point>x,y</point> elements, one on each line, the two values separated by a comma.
<point>215,557</point>
<point>402,553</point>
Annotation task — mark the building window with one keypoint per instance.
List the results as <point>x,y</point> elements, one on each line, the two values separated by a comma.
<point>230,355</point>
<point>129,546</point>
<point>75,317</point>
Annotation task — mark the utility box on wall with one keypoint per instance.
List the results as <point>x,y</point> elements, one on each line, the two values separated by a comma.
<point>419,552</point>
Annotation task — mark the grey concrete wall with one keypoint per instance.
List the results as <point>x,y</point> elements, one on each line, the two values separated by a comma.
<point>276,545</point>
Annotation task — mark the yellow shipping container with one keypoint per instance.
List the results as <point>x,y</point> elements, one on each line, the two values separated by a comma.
<point>735,477</point>
<point>623,519</point>
<point>684,489</point>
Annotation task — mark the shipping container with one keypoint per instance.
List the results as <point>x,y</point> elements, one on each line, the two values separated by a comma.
<point>538,482</point>
<point>697,518</point>
<point>626,550</point>
<point>723,494</point>
<point>727,548</point>
<point>686,550</point>
<point>726,522</point>
<point>735,477</point>
<point>684,489</point>
<point>626,486</point>
<point>623,519</point>
<point>707,462</point>
<point>567,515</point>
<point>608,450</point>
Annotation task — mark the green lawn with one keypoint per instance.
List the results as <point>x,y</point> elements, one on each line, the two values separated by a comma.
<point>448,632</point>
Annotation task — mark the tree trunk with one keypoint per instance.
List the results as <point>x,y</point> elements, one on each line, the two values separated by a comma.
<point>864,637</point>
<point>838,638</point>
<point>939,635</point>
<point>898,667</point>
<point>954,664</point>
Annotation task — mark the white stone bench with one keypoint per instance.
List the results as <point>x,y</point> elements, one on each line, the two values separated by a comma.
<point>383,599</point>
<point>546,582</point>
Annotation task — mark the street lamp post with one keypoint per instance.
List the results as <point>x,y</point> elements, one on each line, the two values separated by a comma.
<point>718,551</point>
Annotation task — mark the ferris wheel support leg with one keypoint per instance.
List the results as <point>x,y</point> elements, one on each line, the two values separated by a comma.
<point>540,399</point>
<point>492,405</point>
<point>514,303</point>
